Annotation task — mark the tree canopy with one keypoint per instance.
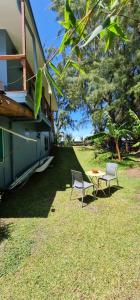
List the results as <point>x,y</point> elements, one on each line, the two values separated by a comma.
<point>99,68</point>
<point>112,76</point>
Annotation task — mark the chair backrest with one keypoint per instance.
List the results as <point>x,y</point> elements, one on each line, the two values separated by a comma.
<point>77,177</point>
<point>111,169</point>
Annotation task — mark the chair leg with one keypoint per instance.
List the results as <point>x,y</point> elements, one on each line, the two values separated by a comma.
<point>71,193</point>
<point>117,181</point>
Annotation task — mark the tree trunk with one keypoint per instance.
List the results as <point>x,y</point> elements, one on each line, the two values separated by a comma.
<point>126,147</point>
<point>118,150</point>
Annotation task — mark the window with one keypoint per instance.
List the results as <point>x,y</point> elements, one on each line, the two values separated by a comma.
<point>1,146</point>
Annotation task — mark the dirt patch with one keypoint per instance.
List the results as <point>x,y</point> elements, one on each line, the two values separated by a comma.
<point>133,172</point>
<point>93,208</point>
<point>138,197</point>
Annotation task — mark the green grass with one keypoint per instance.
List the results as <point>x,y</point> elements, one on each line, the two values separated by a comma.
<point>51,248</point>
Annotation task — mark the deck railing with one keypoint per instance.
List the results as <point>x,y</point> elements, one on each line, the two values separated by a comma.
<point>21,56</point>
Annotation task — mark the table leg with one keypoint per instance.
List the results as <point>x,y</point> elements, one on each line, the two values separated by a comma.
<point>97,185</point>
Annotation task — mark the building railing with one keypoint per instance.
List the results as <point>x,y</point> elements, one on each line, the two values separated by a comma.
<point>20,56</point>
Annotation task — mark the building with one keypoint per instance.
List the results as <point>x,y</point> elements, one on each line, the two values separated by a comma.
<point>25,142</point>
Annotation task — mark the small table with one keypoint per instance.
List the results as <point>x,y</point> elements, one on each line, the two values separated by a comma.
<point>93,176</point>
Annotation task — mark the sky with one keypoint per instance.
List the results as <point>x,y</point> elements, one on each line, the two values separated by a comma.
<point>48,27</point>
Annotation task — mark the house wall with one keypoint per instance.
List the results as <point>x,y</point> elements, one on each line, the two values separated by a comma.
<point>24,152</point>
<point>5,166</point>
<point>19,154</point>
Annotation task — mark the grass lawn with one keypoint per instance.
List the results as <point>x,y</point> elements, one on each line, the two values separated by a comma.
<point>51,248</point>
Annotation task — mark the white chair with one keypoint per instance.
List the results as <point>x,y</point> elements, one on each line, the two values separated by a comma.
<point>111,174</point>
<point>79,184</point>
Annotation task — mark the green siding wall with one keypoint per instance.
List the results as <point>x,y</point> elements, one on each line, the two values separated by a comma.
<point>19,155</point>
<point>5,166</point>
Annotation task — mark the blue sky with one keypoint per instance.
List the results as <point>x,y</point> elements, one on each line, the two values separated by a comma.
<point>48,28</point>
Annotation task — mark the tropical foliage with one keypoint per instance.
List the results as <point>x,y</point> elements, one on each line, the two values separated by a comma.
<point>136,126</point>
<point>99,70</point>
<point>95,19</point>
<point>111,64</point>
<point>115,132</point>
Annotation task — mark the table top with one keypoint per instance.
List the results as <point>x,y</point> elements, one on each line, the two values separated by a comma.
<point>92,174</point>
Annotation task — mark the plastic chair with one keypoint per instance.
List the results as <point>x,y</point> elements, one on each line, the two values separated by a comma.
<point>111,174</point>
<point>79,184</point>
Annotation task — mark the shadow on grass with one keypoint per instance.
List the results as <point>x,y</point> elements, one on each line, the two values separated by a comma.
<point>35,199</point>
<point>100,194</point>
<point>87,199</point>
<point>113,189</point>
<point>4,232</point>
